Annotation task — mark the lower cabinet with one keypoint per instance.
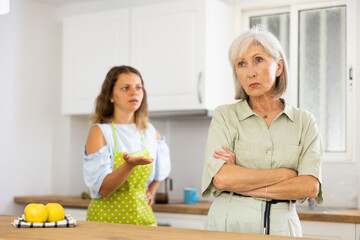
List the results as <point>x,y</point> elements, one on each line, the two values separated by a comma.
<point>330,230</point>
<point>311,229</point>
<point>77,213</point>
<point>357,232</point>
<point>176,220</point>
<point>179,220</point>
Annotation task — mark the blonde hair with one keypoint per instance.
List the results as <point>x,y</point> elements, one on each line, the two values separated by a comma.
<point>104,108</point>
<point>259,36</point>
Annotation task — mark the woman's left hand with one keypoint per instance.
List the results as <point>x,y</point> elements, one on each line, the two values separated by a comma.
<point>227,156</point>
<point>149,196</point>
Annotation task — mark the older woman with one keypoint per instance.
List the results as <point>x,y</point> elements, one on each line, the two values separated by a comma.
<point>262,154</point>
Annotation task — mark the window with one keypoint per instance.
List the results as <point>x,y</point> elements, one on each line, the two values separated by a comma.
<point>279,25</point>
<point>322,77</point>
<point>316,42</point>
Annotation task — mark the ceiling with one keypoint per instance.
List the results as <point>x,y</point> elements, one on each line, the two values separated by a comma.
<point>66,2</point>
<point>130,2</point>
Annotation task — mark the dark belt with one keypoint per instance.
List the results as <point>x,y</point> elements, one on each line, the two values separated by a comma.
<point>267,210</point>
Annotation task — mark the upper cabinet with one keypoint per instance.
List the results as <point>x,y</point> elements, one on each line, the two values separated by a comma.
<point>92,44</point>
<point>179,47</point>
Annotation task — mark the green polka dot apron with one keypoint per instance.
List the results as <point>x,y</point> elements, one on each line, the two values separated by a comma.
<point>127,204</point>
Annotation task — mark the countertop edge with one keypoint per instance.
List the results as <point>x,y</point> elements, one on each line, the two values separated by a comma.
<point>92,230</point>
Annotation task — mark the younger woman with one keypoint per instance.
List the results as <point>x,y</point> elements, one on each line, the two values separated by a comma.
<point>125,158</point>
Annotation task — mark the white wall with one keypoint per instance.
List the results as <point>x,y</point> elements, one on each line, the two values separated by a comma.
<point>186,139</point>
<point>29,57</point>
<point>41,148</point>
<point>187,142</point>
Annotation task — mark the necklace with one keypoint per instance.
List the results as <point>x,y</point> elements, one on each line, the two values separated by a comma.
<point>265,115</point>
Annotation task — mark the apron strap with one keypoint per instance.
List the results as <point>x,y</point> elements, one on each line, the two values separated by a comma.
<point>142,137</point>
<point>113,128</point>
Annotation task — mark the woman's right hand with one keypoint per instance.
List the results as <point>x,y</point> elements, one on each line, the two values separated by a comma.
<point>227,156</point>
<point>134,161</point>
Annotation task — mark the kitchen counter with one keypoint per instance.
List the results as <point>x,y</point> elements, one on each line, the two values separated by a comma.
<point>202,208</point>
<point>92,230</point>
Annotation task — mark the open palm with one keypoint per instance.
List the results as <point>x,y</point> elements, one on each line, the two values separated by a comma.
<point>137,160</point>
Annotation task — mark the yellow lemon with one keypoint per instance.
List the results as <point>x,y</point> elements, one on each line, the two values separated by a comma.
<point>35,213</point>
<point>55,211</point>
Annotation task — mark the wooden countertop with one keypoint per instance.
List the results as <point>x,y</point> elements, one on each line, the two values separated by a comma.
<point>92,230</point>
<point>202,208</point>
<point>65,201</point>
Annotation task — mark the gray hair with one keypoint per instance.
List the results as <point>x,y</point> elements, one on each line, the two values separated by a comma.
<point>259,36</point>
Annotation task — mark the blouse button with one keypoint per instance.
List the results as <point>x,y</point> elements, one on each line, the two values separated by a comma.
<point>268,152</point>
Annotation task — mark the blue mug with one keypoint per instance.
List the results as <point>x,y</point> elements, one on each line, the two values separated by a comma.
<point>191,196</point>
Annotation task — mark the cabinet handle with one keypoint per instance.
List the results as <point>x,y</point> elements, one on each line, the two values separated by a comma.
<point>198,87</point>
<point>351,77</point>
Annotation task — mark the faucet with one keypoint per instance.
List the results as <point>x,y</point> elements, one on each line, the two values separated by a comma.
<point>312,203</point>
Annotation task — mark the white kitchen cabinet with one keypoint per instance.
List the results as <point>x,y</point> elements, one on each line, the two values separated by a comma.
<point>181,49</point>
<point>180,220</point>
<point>77,213</point>
<point>92,44</point>
<point>311,229</point>
<point>329,230</point>
<point>176,220</point>
<point>357,232</point>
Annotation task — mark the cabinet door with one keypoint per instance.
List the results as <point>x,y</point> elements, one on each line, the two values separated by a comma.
<point>77,213</point>
<point>328,230</point>
<point>180,220</point>
<point>167,48</point>
<point>92,44</point>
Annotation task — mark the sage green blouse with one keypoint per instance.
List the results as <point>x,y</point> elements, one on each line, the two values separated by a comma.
<point>292,141</point>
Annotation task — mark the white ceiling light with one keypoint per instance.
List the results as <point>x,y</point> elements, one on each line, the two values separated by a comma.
<point>4,6</point>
